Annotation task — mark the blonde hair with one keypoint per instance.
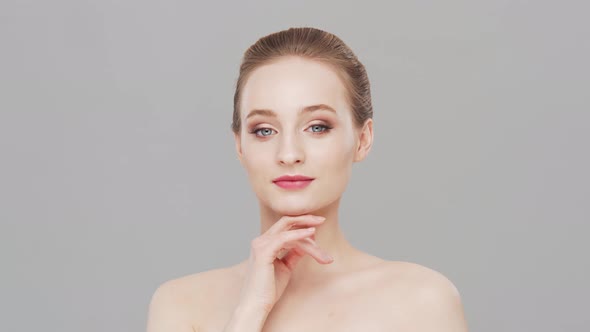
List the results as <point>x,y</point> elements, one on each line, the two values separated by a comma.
<point>314,44</point>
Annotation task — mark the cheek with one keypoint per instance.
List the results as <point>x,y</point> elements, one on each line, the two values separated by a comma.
<point>335,155</point>
<point>256,159</point>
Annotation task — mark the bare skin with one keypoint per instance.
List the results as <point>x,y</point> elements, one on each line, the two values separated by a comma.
<point>354,292</point>
<point>371,295</point>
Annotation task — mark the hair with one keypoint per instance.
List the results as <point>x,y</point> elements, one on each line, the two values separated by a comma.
<point>313,44</point>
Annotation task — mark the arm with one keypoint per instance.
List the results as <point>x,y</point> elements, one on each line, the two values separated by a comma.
<point>247,318</point>
<point>165,312</point>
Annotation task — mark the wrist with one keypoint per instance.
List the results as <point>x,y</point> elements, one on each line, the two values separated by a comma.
<point>247,317</point>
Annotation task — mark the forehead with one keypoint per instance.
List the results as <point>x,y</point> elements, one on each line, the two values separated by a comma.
<point>292,83</point>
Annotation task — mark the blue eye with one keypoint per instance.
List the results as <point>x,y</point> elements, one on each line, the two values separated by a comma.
<point>322,127</point>
<point>264,130</point>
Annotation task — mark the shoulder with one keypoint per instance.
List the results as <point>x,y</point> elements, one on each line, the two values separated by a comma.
<point>432,301</point>
<point>420,278</point>
<point>177,303</point>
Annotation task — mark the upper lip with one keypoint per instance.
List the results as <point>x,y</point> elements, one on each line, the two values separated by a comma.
<point>292,178</point>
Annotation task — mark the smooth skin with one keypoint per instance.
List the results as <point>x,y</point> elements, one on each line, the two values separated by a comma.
<point>288,283</point>
<point>267,276</point>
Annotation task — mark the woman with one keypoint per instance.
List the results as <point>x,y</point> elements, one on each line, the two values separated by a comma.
<point>302,117</point>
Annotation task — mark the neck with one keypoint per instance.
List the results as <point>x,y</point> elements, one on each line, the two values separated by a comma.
<point>328,237</point>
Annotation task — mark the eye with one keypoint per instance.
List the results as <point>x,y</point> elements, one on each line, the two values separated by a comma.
<point>264,132</point>
<point>319,128</point>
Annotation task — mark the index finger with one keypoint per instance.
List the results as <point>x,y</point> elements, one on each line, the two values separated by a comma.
<point>286,222</point>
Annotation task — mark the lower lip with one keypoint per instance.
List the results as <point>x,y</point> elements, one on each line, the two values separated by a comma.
<point>293,184</point>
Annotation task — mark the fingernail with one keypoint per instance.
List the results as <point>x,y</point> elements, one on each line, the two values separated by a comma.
<point>320,218</point>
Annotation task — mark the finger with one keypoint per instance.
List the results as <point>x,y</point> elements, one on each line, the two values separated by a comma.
<point>292,258</point>
<point>284,240</point>
<point>288,222</point>
<point>282,253</point>
<point>305,246</point>
<point>310,247</point>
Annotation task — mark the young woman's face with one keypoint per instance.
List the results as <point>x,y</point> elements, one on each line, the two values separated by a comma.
<point>279,137</point>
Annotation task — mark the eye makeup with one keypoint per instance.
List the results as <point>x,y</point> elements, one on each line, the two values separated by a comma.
<point>325,128</point>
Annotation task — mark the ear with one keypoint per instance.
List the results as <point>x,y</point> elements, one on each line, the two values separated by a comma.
<point>365,141</point>
<point>238,143</point>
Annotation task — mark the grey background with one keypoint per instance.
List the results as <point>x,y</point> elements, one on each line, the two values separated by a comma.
<point>118,170</point>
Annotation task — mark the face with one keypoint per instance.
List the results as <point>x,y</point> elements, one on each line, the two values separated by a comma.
<point>284,132</point>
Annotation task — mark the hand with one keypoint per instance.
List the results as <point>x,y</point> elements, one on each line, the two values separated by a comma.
<point>267,274</point>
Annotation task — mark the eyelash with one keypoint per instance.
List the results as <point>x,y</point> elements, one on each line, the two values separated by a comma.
<point>327,128</point>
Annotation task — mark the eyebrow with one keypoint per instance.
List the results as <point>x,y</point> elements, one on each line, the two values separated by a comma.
<point>306,109</point>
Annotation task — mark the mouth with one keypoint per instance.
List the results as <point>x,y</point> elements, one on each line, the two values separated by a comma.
<point>293,184</point>
<point>293,181</point>
<point>296,177</point>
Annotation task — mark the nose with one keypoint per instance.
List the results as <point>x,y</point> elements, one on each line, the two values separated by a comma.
<point>290,150</point>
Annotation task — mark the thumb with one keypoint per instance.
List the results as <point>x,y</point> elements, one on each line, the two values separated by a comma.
<point>293,257</point>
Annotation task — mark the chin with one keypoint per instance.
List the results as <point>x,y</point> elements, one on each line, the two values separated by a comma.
<point>295,207</point>
<point>290,209</point>
<point>298,202</point>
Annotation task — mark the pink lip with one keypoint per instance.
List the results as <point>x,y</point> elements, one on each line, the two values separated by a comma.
<point>293,184</point>
<point>293,181</point>
<point>292,178</point>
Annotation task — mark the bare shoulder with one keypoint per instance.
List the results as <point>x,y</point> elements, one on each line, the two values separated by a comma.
<point>420,278</point>
<point>429,299</point>
<point>177,304</point>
